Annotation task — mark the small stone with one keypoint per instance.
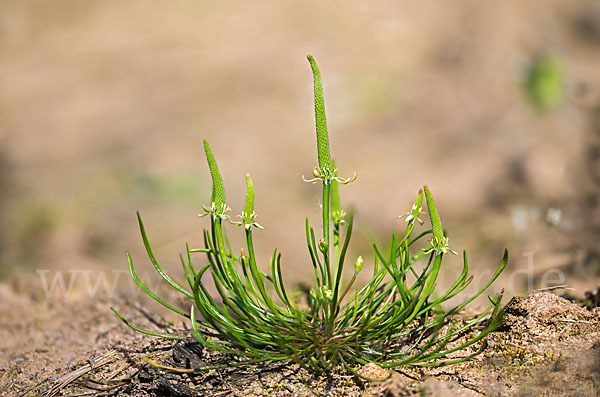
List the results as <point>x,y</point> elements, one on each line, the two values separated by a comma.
<point>374,371</point>
<point>434,387</point>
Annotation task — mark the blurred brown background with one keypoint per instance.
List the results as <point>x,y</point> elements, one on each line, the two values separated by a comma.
<point>104,105</point>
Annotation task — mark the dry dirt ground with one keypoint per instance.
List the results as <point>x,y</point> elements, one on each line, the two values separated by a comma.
<point>548,346</point>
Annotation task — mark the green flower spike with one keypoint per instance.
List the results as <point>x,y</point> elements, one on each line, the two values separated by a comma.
<point>439,242</point>
<point>325,171</point>
<point>248,214</point>
<point>415,211</point>
<point>217,208</point>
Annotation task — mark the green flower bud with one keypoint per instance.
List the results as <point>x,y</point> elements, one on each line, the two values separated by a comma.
<point>338,216</point>
<point>323,246</point>
<point>328,293</point>
<point>244,258</point>
<point>359,264</point>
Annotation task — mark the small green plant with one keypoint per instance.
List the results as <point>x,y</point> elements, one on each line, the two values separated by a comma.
<point>395,319</point>
<point>544,83</point>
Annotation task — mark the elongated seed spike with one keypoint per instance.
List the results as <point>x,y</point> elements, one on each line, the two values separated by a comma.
<point>218,187</point>
<point>249,204</point>
<point>321,121</point>
<point>436,222</point>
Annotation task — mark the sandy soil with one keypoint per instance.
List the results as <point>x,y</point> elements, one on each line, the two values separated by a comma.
<point>547,346</point>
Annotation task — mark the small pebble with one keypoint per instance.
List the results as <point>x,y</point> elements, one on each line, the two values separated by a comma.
<point>374,371</point>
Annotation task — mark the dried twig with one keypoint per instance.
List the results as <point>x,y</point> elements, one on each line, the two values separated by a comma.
<point>61,383</point>
<point>565,287</point>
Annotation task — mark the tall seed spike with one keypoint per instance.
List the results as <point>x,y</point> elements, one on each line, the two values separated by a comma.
<point>218,187</point>
<point>249,204</point>
<point>320,119</point>
<point>436,222</point>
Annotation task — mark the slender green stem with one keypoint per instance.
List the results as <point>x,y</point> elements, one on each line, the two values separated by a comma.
<point>350,283</point>
<point>326,231</point>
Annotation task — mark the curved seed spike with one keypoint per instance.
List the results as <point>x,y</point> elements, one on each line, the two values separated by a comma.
<point>419,202</point>
<point>321,120</point>
<point>436,222</point>
<point>412,216</point>
<point>249,204</point>
<point>218,187</point>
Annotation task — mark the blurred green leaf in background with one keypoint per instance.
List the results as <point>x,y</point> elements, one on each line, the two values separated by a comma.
<point>544,82</point>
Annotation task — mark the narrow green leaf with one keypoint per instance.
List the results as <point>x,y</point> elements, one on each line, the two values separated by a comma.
<point>157,266</point>
<point>144,331</point>
<point>147,290</point>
